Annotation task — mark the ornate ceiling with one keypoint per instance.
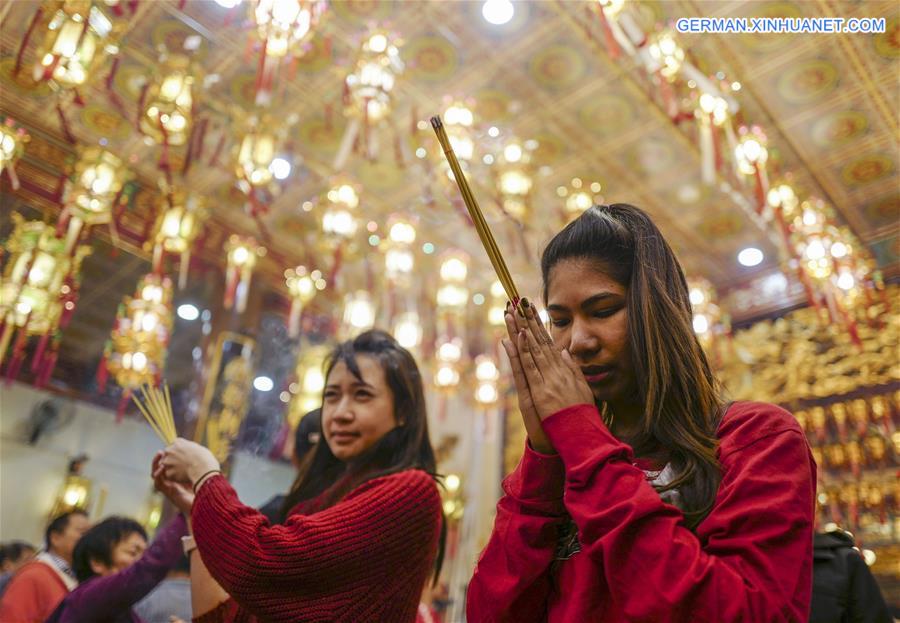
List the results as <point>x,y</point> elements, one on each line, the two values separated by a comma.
<point>828,105</point>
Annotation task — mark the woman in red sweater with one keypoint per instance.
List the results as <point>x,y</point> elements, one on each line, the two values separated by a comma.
<point>641,495</point>
<point>363,527</point>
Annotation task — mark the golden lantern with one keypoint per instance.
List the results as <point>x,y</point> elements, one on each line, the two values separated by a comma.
<point>302,286</point>
<point>241,253</point>
<point>37,291</point>
<point>452,502</point>
<point>453,295</point>
<point>514,180</point>
<point>407,330</point>
<point>712,113</point>
<point>703,302</point>
<point>750,155</point>
<point>359,314</point>
<point>399,259</point>
<point>166,107</point>
<point>255,155</point>
<point>447,359</point>
<point>93,192</point>
<point>579,196</point>
<point>370,83</point>
<point>79,35</point>
<point>13,138</point>
<point>307,389</point>
<point>486,376</point>
<point>338,218</point>
<point>136,353</point>
<point>667,54</point>
<point>179,222</point>
<point>283,26</point>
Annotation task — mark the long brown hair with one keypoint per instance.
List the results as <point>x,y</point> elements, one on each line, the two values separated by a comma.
<point>405,447</point>
<point>681,397</point>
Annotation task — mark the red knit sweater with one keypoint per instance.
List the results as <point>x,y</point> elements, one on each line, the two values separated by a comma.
<point>749,561</point>
<point>364,559</point>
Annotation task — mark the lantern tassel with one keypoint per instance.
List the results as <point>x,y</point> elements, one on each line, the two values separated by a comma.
<point>38,357</point>
<point>123,403</point>
<point>611,46</point>
<point>26,39</point>
<point>184,266</point>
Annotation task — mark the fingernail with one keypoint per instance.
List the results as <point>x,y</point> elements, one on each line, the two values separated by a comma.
<point>525,303</point>
<point>508,305</point>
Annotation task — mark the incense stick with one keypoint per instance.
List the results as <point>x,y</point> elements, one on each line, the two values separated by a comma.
<point>481,226</point>
<point>156,407</point>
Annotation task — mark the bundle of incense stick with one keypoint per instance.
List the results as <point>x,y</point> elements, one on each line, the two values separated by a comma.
<point>157,408</point>
<point>484,232</point>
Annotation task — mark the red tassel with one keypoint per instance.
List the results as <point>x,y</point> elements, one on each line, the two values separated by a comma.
<point>760,191</point>
<point>38,357</point>
<point>64,124</point>
<point>611,46</point>
<point>76,97</point>
<point>217,151</point>
<point>140,107</point>
<point>102,374</point>
<point>123,403</point>
<point>26,39</point>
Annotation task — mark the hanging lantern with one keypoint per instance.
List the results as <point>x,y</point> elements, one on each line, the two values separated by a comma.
<point>93,193</point>
<point>38,291</point>
<point>668,55</point>
<point>579,197</point>
<point>359,313</point>
<point>714,119</point>
<point>497,308</point>
<point>751,155</point>
<point>399,259</point>
<point>77,39</point>
<point>370,84</point>
<point>255,155</point>
<point>13,138</point>
<point>166,106</point>
<point>136,353</point>
<point>179,221</point>
<point>448,356</point>
<point>486,375</point>
<point>306,390</point>
<point>302,287</point>
<point>241,254</point>
<point>338,219</point>
<point>514,180</point>
<point>453,295</point>
<point>283,26</point>
<point>407,330</point>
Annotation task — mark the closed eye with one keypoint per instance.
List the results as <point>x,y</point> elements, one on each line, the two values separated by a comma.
<point>559,322</point>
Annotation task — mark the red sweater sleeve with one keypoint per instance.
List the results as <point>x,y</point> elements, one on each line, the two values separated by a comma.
<point>523,543</point>
<point>375,529</point>
<point>751,558</point>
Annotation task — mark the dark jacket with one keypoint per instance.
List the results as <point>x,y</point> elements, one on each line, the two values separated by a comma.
<point>844,590</point>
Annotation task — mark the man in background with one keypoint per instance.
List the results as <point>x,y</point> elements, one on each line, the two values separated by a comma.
<point>39,586</point>
<point>12,556</point>
<point>309,429</point>
<point>172,598</point>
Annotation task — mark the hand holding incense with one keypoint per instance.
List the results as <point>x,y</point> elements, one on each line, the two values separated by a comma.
<point>484,232</point>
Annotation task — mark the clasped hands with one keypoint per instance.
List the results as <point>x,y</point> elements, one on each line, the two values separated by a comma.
<point>176,470</point>
<point>547,379</point>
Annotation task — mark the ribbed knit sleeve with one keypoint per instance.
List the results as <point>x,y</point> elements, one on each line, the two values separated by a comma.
<point>365,558</point>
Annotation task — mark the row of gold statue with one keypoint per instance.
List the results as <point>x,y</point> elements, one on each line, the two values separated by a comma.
<point>869,508</point>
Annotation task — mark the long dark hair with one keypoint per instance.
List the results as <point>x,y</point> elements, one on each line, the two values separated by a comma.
<point>405,447</point>
<point>682,399</point>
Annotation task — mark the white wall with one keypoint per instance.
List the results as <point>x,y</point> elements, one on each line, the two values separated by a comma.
<point>120,455</point>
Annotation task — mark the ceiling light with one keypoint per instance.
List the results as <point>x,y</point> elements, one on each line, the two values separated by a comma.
<point>497,12</point>
<point>280,168</point>
<point>751,256</point>
<point>228,4</point>
<point>188,312</point>
<point>263,384</point>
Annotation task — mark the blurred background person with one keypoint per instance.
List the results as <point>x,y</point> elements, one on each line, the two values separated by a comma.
<point>172,598</point>
<point>307,434</point>
<point>843,587</point>
<point>39,586</point>
<point>12,556</point>
<point>116,570</point>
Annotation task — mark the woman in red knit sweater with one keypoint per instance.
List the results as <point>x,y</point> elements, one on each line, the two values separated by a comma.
<point>363,527</point>
<point>641,495</point>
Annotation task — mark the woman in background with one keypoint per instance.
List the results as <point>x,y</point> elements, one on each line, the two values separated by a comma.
<point>116,570</point>
<point>641,495</point>
<point>363,520</point>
